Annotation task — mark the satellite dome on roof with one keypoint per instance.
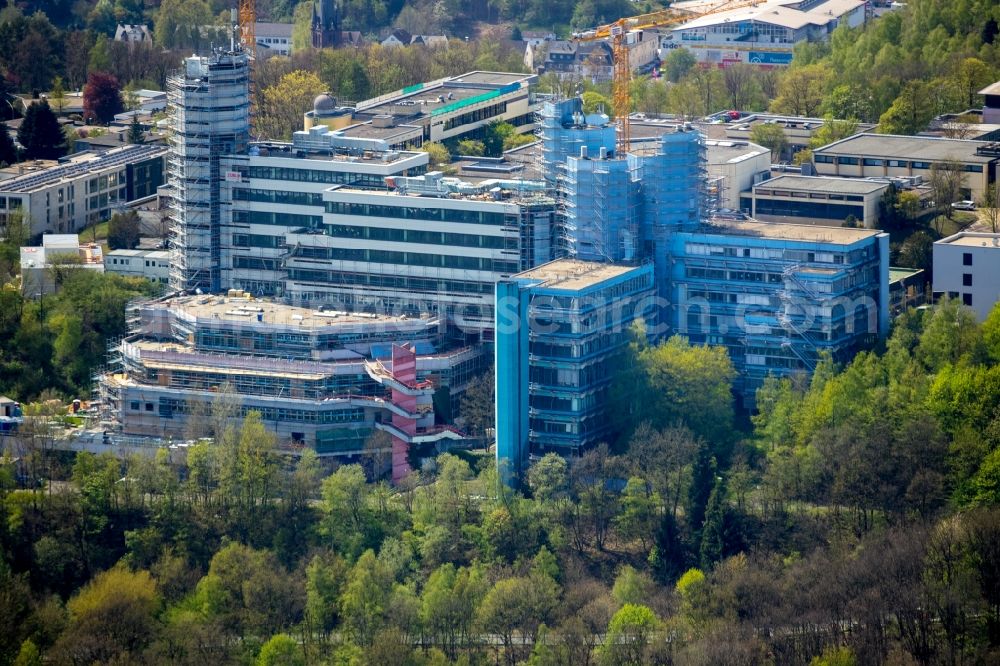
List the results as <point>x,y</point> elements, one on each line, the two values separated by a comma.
<point>324,103</point>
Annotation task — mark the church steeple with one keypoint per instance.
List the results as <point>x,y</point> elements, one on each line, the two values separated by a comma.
<point>325,24</point>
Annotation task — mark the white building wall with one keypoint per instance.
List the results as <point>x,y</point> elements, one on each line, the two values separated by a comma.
<point>965,257</point>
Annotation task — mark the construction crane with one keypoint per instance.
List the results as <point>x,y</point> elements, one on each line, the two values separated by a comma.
<point>248,37</point>
<point>618,31</point>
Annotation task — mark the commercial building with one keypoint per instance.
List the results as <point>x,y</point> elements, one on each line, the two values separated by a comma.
<point>560,330</point>
<point>762,34</point>
<point>154,265</point>
<point>41,266</point>
<point>83,190</point>
<point>322,379</point>
<point>816,199</point>
<point>967,267</point>
<point>895,156</point>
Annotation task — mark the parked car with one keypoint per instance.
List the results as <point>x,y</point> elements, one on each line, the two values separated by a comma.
<point>964,205</point>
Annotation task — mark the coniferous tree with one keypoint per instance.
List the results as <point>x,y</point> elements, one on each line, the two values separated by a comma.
<point>135,133</point>
<point>713,530</point>
<point>702,482</point>
<point>40,133</point>
<point>8,151</point>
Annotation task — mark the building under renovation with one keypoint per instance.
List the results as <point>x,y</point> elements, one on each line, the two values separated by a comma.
<point>318,378</point>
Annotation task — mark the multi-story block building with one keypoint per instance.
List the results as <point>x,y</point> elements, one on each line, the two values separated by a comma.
<point>967,267</point>
<point>433,245</point>
<point>84,190</point>
<point>777,296</point>
<point>40,264</point>
<point>210,96</point>
<point>323,379</point>
<point>278,189</point>
<point>820,199</point>
<point>560,329</point>
<point>894,156</point>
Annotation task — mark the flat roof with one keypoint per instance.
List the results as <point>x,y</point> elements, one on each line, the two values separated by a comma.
<point>80,166</point>
<point>241,309</point>
<point>972,239</point>
<point>785,231</point>
<point>422,98</point>
<point>731,152</point>
<point>153,254</point>
<point>897,273</point>
<point>573,274</point>
<point>824,184</point>
<point>776,12</point>
<point>338,154</point>
<point>369,131</point>
<point>920,148</point>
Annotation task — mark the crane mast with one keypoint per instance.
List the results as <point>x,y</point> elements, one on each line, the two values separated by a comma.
<point>618,31</point>
<point>248,38</point>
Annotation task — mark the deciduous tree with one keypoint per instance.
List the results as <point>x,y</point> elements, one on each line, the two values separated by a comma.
<point>102,98</point>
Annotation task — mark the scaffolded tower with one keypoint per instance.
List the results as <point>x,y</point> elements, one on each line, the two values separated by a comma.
<point>210,98</point>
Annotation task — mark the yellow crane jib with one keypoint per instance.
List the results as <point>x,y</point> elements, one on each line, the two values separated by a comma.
<point>618,32</point>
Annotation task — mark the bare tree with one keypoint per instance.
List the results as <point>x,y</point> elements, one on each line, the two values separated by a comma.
<point>741,85</point>
<point>946,183</point>
<point>989,205</point>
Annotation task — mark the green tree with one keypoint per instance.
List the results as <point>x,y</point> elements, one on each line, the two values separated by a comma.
<point>835,656</point>
<point>713,530</point>
<point>631,586</point>
<point>363,603</point>
<point>8,151</point>
<point>471,148</point>
<point>437,153</point>
<point>123,231</point>
<point>910,112</point>
<point>547,478</point>
<point>917,251</point>
<point>281,111</point>
<point>629,633</point>
<point>478,407</point>
<point>518,605</point>
<point>678,63</point>
<point>800,90</point>
<point>136,135</point>
<point>58,95</point>
<point>771,136</point>
<point>111,618</point>
<point>40,134</point>
<point>496,136</point>
<point>281,650</point>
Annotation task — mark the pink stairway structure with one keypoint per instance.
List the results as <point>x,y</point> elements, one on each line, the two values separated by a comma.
<point>412,407</point>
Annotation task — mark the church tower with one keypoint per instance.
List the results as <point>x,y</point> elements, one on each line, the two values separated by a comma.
<point>325,24</point>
